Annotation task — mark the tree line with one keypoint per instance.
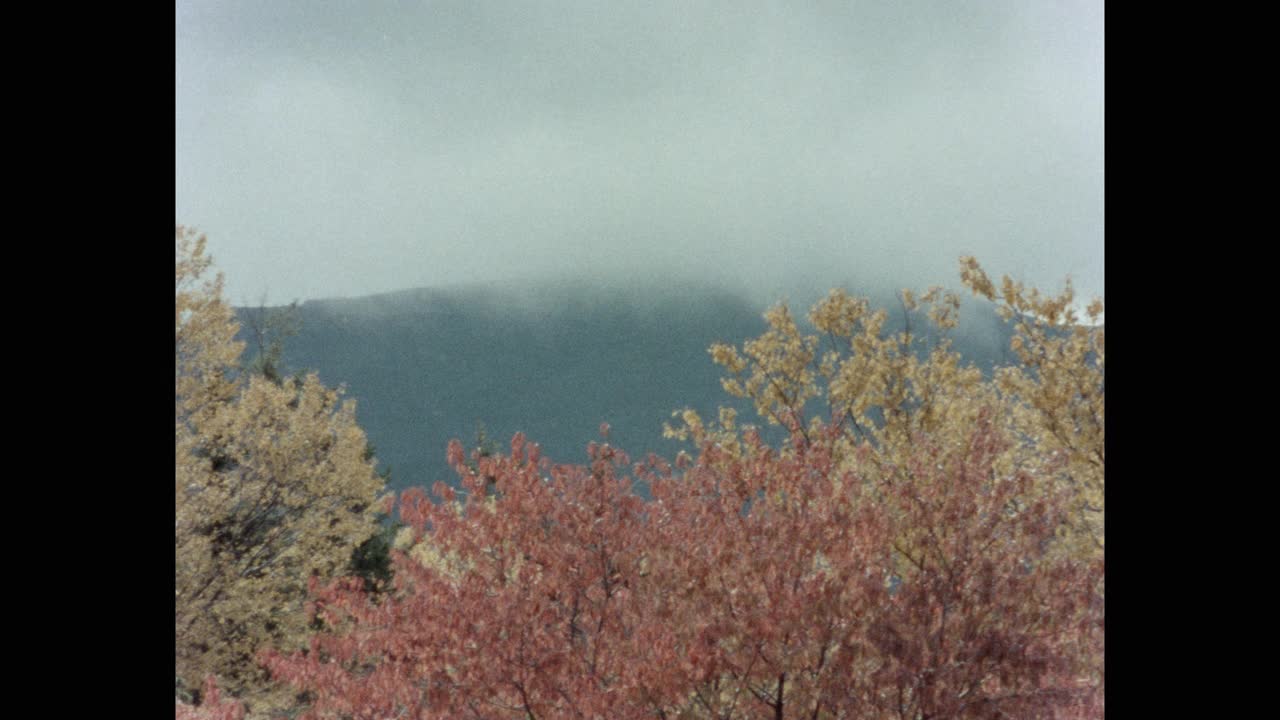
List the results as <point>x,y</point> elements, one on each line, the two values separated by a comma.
<point>924,543</point>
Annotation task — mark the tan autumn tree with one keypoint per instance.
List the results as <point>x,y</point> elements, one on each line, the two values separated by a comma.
<point>272,487</point>
<point>888,388</point>
<point>1056,391</point>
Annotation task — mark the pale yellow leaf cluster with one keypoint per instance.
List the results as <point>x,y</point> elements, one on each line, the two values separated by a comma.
<point>692,428</point>
<point>273,487</point>
<point>447,564</point>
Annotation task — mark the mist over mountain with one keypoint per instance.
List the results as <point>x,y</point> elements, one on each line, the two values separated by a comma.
<point>550,360</point>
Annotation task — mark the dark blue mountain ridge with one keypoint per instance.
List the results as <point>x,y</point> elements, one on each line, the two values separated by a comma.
<point>551,360</point>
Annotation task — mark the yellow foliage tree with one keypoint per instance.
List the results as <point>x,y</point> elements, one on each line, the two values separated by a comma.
<point>273,487</point>
<point>886,396</point>
<point>1056,391</point>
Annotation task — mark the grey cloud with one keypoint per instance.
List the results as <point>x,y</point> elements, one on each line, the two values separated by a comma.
<point>346,149</point>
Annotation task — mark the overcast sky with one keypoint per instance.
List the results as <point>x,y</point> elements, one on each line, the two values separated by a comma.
<point>336,149</point>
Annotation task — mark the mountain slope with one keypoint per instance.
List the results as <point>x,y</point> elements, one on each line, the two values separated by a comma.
<point>427,365</point>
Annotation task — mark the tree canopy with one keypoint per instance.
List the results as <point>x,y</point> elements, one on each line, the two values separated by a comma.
<point>921,549</point>
<point>924,542</point>
<point>272,488</point>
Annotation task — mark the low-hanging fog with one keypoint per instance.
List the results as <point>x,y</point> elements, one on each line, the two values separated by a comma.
<point>347,149</point>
